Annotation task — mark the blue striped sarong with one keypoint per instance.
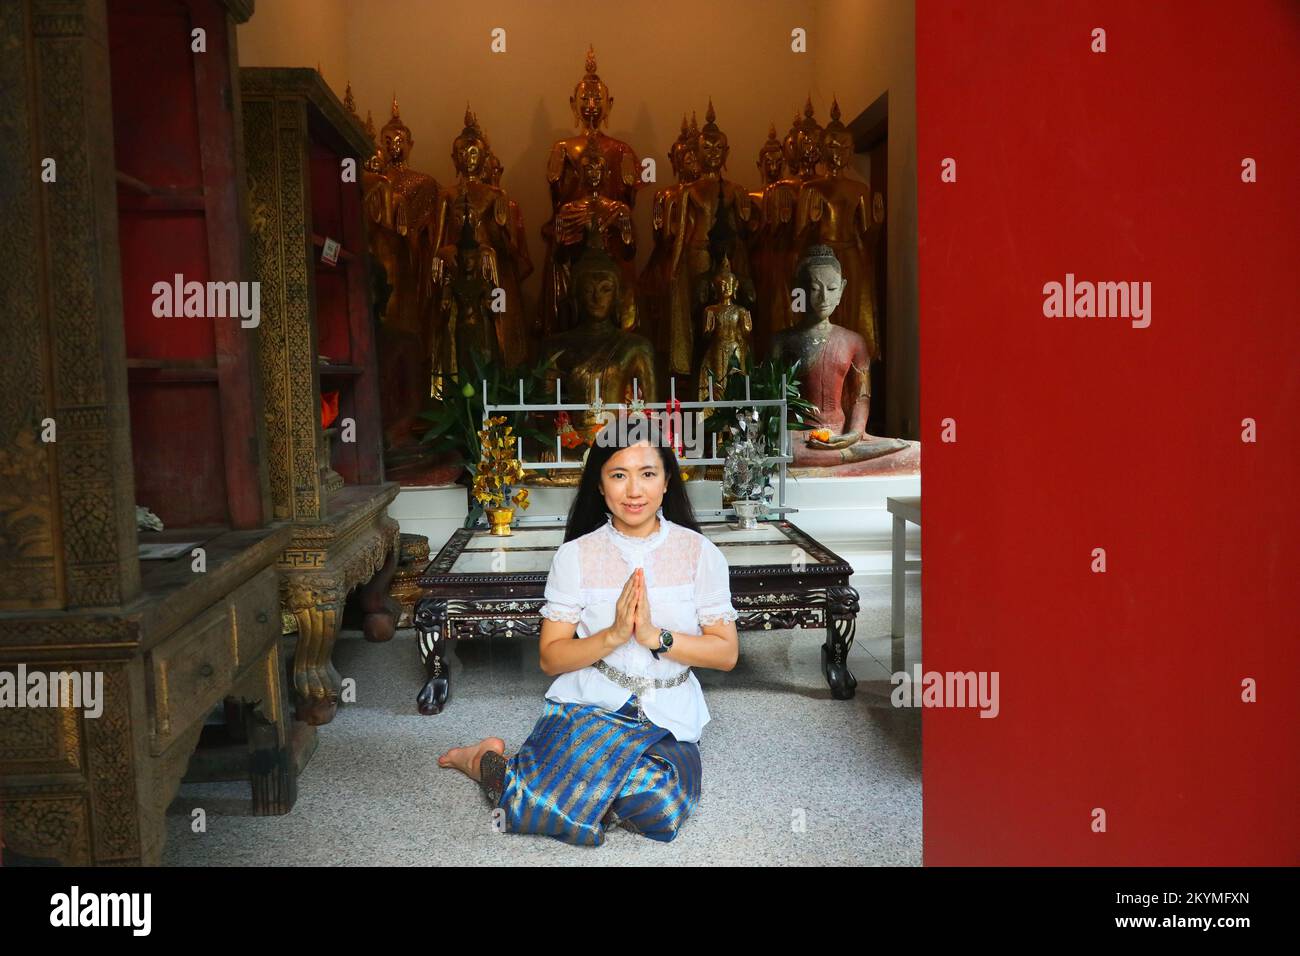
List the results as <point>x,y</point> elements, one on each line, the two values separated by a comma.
<point>584,768</point>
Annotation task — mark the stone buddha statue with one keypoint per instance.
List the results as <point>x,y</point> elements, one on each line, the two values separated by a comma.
<point>599,351</point>
<point>591,103</point>
<point>612,219</point>
<point>489,207</point>
<point>836,211</point>
<point>715,219</point>
<point>835,376</point>
<point>727,327</point>
<point>466,299</point>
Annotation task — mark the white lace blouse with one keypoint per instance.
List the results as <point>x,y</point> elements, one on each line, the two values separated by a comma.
<point>688,585</point>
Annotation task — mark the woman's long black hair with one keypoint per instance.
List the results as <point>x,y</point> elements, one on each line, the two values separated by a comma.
<point>589,510</point>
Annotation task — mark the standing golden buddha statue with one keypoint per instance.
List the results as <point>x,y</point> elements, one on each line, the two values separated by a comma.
<point>656,287</point>
<point>715,219</point>
<point>835,211</point>
<point>802,147</point>
<point>591,103</point>
<point>402,206</point>
<point>772,242</point>
<point>466,298</point>
<point>730,326</point>
<point>612,220</point>
<point>493,232</point>
<point>519,235</point>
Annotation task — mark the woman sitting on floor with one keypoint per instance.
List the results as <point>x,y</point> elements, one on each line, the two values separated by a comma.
<point>636,596</point>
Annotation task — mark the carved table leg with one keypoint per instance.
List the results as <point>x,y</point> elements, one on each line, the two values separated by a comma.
<point>260,707</point>
<point>841,622</point>
<point>316,683</point>
<point>381,610</point>
<point>431,620</point>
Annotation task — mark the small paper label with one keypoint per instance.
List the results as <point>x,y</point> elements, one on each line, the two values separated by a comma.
<point>330,254</point>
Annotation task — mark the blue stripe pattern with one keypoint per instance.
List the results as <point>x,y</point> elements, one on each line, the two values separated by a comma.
<point>583,768</point>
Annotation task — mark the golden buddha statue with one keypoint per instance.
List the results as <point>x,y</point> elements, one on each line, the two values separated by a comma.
<point>802,147</point>
<point>715,219</point>
<point>599,357</point>
<point>488,207</point>
<point>519,235</point>
<point>656,287</point>
<point>591,103</point>
<point>466,299</point>
<point>730,326</point>
<point>612,219</point>
<point>402,206</point>
<point>836,211</point>
<point>772,243</point>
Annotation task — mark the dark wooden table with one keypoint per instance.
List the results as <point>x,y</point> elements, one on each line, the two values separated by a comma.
<point>480,585</point>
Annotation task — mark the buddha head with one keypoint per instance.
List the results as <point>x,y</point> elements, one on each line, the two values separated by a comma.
<point>822,280</point>
<point>837,141</point>
<point>808,141</point>
<point>469,150</point>
<point>395,139</point>
<point>713,144</point>
<point>595,282</point>
<point>725,282</point>
<point>591,102</point>
<point>771,159</point>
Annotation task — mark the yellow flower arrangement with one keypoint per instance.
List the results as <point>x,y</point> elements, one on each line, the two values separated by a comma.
<point>498,468</point>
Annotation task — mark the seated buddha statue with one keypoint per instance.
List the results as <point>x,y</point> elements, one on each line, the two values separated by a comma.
<point>834,372</point>
<point>599,352</point>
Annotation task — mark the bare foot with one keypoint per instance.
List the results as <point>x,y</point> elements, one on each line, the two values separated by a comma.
<point>467,759</point>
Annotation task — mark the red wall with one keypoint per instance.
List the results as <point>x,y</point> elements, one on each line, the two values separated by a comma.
<point>1118,690</point>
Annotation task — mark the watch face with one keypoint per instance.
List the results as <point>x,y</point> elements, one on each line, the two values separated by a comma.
<point>666,638</point>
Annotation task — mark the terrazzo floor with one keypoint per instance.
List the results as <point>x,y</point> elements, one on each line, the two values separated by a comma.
<point>791,776</point>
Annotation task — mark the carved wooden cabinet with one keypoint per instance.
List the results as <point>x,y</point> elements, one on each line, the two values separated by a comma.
<point>318,341</point>
<point>104,404</point>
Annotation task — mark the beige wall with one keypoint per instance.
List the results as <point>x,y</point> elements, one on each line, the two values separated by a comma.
<point>659,59</point>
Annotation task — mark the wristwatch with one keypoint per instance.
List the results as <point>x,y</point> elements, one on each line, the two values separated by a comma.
<point>665,643</point>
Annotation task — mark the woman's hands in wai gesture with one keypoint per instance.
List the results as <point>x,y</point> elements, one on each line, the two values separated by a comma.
<point>632,615</point>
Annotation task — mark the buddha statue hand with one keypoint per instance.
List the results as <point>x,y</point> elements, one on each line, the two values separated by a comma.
<point>835,442</point>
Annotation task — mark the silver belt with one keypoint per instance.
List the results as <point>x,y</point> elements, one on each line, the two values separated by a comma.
<point>640,684</point>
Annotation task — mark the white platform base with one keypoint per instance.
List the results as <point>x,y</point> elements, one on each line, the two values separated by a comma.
<point>846,514</point>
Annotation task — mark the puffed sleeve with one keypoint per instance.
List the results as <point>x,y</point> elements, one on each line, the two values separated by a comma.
<point>713,587</point>
<point>564,586</point>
